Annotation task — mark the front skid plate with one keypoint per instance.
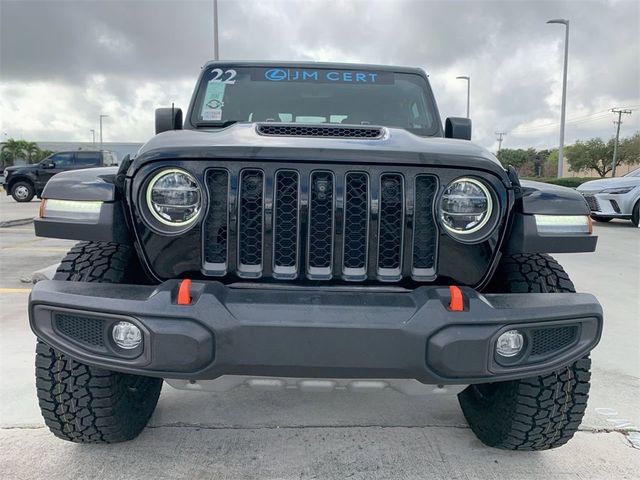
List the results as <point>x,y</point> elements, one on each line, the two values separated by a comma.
<point>320,385</point>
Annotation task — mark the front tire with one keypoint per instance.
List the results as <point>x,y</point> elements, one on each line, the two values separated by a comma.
<point>635,214</point>
<point>535,413</point>
<point>86,404</point>
<point>22,191</point>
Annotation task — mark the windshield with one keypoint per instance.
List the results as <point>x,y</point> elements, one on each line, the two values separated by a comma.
<point>304,95</point>
<point>633,173</point>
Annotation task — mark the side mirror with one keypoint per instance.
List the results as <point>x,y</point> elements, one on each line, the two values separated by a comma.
<point>458,127</point>
<point>48,164</point>
<point>168,119</point>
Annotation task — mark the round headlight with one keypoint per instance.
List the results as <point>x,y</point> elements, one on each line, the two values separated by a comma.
<point>465,206</point>
<point>173,197</point>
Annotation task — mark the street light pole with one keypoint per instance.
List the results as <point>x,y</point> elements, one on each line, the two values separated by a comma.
<point>468,79</point>
<point>564,91</point>
<point>216,52</point>
<point>93,133</point>
<point>101,117</point>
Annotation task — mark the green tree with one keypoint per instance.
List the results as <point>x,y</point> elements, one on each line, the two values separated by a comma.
<point>13,150</point>
<point>629,150</point>
<point>42,154</point>
<point>513,156</point>
<point>594,154</point>
<point>32,150</point>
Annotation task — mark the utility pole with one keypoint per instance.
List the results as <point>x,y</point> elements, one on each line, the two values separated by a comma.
<point>468,79</point>
<point>615,145</point>
<point>101,117</point>
<point>500,135</point>
<point>93,133</point>
<point>564,91</point>
<point>216,52</point>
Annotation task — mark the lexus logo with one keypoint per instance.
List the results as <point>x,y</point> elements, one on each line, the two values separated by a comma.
<point>276,74</point>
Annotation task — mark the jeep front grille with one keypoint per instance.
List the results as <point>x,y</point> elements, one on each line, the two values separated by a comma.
<point>294,221</point>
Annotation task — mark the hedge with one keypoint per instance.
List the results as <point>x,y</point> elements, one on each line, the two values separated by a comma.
<point>572,182</point>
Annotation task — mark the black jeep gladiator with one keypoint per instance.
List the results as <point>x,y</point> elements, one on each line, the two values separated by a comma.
<point>313,226</point>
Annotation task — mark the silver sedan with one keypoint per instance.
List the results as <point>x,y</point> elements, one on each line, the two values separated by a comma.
<point>614,197</point>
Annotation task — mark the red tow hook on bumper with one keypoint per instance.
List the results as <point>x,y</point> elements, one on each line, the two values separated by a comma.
<point>456,304</point>
<point>184,294</point>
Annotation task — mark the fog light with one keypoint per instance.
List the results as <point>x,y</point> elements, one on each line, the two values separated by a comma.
<point>510,343</point>
<point>126,335</point>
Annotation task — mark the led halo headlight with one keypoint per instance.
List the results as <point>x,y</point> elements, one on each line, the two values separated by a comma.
<point>465,206</point>
<point>174,197</point>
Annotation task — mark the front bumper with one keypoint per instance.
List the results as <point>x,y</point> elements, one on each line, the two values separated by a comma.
<point>329,332</point>
<point>609,204</point>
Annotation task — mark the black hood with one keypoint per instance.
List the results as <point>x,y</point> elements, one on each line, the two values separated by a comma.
<point>241,141</point>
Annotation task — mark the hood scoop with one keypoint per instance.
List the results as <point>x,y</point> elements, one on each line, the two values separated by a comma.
<point>319,131</point>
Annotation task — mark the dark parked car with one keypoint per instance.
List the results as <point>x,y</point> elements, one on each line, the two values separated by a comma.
<point>314,226</point>
<point>25,182</point>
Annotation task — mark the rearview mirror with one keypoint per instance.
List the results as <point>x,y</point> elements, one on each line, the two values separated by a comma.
<point>48,164</point>
<point>168,119</point>
<point>458,127</point>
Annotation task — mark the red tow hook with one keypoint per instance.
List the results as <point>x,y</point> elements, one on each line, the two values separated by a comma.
<point>184,294</point>
<point>457,302</point>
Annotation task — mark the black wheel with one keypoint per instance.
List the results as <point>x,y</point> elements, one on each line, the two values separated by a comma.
<point>533,413</point>
<point>635,215</point>
<point>22,191</point>
<point>85,404</point>
<point>601,219</point>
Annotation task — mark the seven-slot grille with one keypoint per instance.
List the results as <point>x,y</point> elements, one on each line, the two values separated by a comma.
<point>320,224</point>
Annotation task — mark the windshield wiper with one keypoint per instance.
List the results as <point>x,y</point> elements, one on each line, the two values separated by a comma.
<point>216,124</point>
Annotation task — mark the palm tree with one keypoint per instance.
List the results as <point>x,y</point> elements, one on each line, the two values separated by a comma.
<point>13,150</point>
<point>32,150</point>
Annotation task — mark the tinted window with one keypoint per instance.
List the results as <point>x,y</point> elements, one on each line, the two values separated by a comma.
<point>309,95</point>
<point>62,160</point>
<point>88,159</point>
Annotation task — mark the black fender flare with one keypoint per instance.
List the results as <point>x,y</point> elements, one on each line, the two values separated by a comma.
<point>537,198</point>
<point>91,184</point>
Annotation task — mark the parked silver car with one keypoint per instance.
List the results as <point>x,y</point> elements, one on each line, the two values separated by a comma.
<point>614,197</point>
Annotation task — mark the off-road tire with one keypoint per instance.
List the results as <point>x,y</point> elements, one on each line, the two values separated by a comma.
<point>601,219</point>
<point>535,413</point>
<point>86,404</point>
<point>25,186</point>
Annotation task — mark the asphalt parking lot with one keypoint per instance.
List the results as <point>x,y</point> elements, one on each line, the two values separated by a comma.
<point>250,434</point>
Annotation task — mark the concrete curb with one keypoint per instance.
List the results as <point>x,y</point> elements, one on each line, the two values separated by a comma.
<point>16,222</point>
<point>46,273</point>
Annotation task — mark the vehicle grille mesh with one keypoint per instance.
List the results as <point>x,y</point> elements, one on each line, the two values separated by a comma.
<point>546,340</point>
<point>321,221</point>
<point>320,224</point>
<point>215,227</point>
<point>391,222</point>
<point>82,329</point>
<point>251,219</point>
<point>356,218</point>
<point>285,231</point>
<point>424,230</point>
<point>592,201</point>
<point>323,131</point>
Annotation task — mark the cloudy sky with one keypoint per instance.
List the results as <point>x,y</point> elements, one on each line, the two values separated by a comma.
<point>62,63</point>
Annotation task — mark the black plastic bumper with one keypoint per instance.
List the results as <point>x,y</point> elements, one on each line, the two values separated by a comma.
<point>314,332</point>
